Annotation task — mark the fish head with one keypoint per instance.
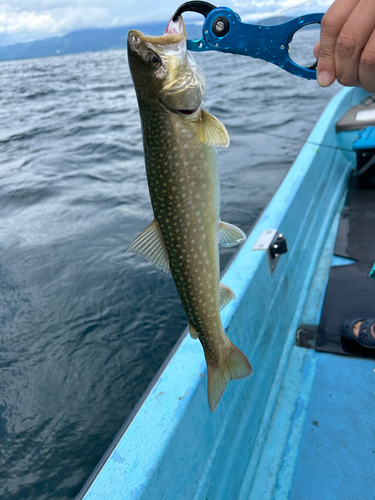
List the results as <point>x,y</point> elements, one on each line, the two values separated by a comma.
<point>163,72</point>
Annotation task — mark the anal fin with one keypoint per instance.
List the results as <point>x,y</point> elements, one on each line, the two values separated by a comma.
<point>193,332</point>
<point>150,245</point>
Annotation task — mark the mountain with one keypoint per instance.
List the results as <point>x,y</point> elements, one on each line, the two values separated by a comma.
<point>272,21</point>
<point>89,40</point>
<point>94,40</point>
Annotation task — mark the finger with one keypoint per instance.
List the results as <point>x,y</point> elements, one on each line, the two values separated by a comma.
<point>352,40</point>
<point>332,22</point>
<point>316,50</point>
<point>367,65</point>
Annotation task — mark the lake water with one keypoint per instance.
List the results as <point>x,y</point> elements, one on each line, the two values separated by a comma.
<point>84,325</point>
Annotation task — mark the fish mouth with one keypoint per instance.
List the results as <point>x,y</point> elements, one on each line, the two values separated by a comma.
<point>189,114</point>
<point>176,28</point>
<point>182,112</point>
<point>186,111</point>
<point>174,37</point>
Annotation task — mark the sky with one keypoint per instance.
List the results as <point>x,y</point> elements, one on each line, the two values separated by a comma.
<point>26,20</point>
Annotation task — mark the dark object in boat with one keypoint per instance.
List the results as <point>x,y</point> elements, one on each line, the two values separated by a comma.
<point>364,147</point>
<point>364,335</point>
<point>350,292</point>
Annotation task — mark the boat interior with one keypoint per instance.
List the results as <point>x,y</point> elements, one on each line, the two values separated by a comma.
<point>300,427</point>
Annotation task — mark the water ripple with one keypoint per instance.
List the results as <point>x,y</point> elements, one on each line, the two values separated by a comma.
<point>84,324</point>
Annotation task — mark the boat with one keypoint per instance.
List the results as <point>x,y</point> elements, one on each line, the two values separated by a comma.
<point>301,427</point>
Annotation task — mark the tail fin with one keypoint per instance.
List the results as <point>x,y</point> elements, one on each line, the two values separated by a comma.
<point>234,367</point>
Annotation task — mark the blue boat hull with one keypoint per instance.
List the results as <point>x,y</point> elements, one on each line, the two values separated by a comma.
<point>253,446</point>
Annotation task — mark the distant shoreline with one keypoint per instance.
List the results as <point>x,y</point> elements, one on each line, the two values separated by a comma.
<point>96,40</point>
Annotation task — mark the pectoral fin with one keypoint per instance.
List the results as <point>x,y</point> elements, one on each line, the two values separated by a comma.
<point>150,245</point>
<point>213,131</point>
<point>226,294</point>
<point>230,235</point>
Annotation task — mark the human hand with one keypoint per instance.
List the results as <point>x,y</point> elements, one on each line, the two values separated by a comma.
<point>346,50</point>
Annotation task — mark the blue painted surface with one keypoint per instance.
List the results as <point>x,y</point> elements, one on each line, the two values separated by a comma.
<point>337,457</point>
<point>366,139</point>
<point>174,447</point>
<point>341,261</point>
<point>372,273</point>
<point>270,43</point>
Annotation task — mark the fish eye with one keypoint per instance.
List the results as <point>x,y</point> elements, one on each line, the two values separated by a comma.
<point>153,60</point>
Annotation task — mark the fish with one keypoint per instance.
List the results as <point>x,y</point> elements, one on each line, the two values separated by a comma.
<point>180,139</point>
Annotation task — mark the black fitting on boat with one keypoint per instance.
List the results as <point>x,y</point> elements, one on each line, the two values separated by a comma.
<point>278,246</point>
<point>274,244</point>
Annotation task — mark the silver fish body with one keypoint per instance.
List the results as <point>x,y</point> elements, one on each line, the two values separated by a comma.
<point>181,163</point>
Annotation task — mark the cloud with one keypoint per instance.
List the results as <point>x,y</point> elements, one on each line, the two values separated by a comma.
<point>24,20</point>
<point>255,10</point>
